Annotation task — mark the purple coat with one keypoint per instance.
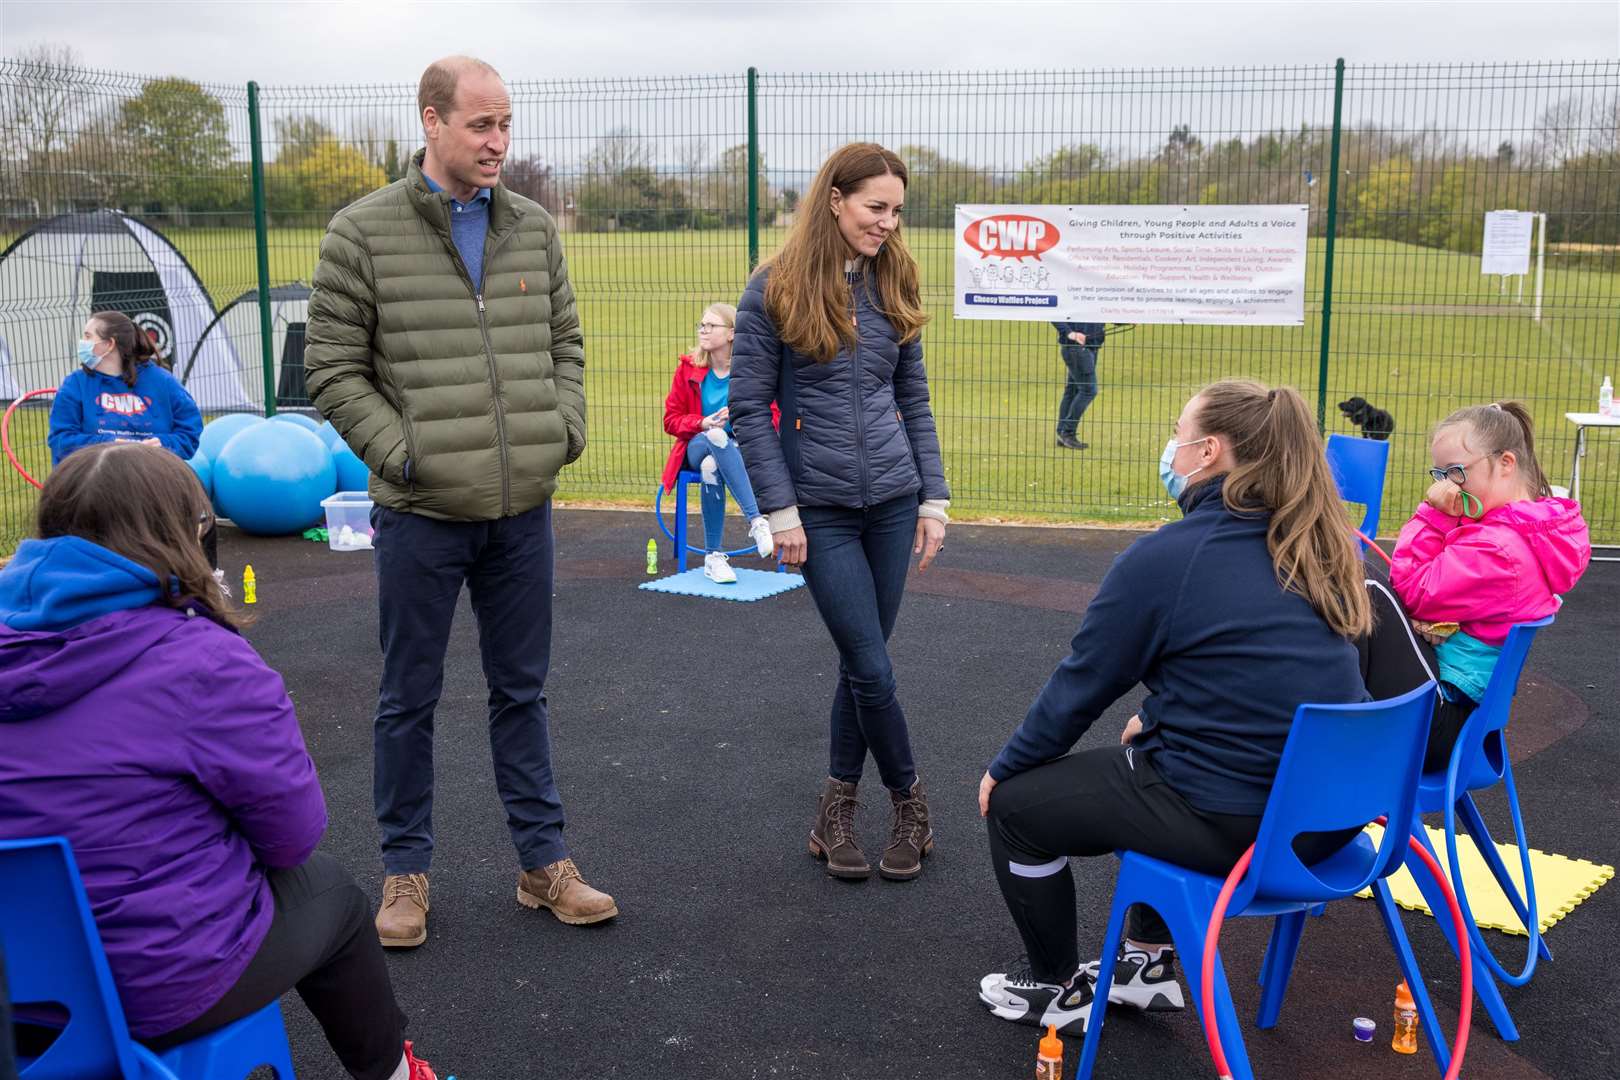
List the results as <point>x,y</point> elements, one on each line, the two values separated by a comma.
<point>167,752</point>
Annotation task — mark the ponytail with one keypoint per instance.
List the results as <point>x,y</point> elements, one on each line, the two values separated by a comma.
<point>135,347</point>
<point>1282,471</point>
<point>1500,427</point>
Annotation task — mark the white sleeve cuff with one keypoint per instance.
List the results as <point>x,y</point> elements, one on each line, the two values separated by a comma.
<point>935,508</point>
<point>784,519</point>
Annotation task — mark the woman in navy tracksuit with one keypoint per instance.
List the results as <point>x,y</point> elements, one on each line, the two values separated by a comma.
<point>853,486</point>
<point>120,393</point>
<point>1197,613</point>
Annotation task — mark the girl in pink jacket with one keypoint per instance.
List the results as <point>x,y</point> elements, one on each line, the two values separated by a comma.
<point>1489,546</point>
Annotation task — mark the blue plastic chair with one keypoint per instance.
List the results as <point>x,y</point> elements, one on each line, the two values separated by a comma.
<point>54,955</point>
<point>1343,766</point>
<point>1479,761</point>
<point>683,480</point>
<point>1358,467</point>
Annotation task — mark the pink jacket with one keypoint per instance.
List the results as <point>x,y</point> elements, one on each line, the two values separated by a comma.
<point>1508,567</point>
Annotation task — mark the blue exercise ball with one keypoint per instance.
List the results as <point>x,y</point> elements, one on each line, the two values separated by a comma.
<point>329,435</point>
<point>308,423</point>
<point>216,433</point>
<point>352,473</point>
<point>205,471</point>
<point>270,479</point>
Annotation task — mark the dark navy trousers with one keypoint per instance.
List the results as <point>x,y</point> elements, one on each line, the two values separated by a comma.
<point>506,565</point>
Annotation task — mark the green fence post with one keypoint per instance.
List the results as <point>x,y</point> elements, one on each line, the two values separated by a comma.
<point>261,240</point>
<point>1332,229</point>
<point>753,170</point>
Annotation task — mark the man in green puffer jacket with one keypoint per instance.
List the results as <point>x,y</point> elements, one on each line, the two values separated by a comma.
<point>444,347</point>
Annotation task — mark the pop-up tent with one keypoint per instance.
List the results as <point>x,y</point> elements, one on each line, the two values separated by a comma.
<point>56,274</point>
<point>226,365</point>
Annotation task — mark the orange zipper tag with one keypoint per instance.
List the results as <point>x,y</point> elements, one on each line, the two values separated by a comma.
<point>523,286</point>
<point>798,424</point>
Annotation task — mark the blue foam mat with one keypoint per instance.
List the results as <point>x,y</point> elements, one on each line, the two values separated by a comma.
<point>751,585</point>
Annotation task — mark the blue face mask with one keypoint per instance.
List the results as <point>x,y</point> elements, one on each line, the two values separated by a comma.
<point>87,354</point>
<point>1174,482</point>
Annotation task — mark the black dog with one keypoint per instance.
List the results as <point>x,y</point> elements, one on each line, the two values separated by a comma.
<point>1375,423</point>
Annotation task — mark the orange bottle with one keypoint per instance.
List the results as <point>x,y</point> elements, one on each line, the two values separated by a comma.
<point>1049,1062</point>
<point>1406,1021</point>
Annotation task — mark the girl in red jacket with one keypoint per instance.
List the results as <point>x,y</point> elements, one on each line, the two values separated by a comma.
<point>696,412</point>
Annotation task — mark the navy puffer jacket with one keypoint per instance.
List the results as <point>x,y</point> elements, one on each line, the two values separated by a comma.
<point>855,432</point>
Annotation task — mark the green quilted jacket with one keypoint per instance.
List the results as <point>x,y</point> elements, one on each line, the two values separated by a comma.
<point>464,406</point>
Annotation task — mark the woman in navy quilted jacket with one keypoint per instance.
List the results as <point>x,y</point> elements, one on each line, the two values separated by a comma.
<point>853,486</point>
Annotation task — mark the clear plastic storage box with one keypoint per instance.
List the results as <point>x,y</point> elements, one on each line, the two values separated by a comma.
<point>348,521</point>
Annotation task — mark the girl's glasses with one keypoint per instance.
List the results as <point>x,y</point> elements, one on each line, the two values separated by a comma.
<point>1457,474</point>
<point>702,326</point>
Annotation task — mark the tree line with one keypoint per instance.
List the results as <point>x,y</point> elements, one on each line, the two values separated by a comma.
<point>164,148</point>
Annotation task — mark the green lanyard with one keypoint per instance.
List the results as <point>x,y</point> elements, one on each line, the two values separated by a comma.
<point>1479,508</point>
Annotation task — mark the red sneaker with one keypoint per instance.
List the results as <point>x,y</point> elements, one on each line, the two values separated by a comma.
<point>418,1069</point>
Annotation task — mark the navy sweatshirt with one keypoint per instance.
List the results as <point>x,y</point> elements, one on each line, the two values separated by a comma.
<point>91,407</point>
<point>1194,612</point>
<point>1094,331</point>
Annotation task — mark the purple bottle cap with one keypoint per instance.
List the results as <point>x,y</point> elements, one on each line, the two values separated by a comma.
<point>1364,1029</point>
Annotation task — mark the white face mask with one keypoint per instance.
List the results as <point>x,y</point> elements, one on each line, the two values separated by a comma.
<point>1175,483</point>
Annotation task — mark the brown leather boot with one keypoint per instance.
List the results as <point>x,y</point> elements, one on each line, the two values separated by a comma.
<point>402,919</point>
<point>911,837</point>
<point>560,889</point>
<point>832,837</point>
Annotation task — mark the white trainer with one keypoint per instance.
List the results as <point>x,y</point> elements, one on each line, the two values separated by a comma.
<point>717,568</point>
<point>759,530</point>
<point>710,471</point>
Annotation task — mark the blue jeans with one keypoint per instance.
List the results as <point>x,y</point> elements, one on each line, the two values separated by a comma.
<point>855,569</point>
<point>1080,390</point>
<point>506,565</point>
<point>728,460</point>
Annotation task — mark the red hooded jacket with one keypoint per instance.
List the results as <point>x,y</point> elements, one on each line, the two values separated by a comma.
<point>683,414</point>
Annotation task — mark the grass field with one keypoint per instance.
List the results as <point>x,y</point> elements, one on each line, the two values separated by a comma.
<point>1416,331</point>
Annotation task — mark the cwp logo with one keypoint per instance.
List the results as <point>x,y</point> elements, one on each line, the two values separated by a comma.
<point>1011,236</point>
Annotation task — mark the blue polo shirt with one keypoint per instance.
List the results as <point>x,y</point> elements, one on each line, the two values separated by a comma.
<point>469,225</point>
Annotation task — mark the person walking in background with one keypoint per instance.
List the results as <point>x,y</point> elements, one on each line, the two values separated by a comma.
<point>1078,343</point>
<point>831,329</point>
<point>445,348</point>
<point>697,414</point>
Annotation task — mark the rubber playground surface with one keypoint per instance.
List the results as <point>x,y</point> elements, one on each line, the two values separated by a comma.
<point>689,737</point>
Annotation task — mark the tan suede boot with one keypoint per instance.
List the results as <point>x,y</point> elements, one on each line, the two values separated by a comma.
<point>402,919</point>
<point>560,889</point>
<point>832,837</point>
<point>910,837</point>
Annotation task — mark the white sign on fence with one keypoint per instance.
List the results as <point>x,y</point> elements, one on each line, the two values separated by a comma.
<point>1132,264</point>
<point>1507,242</point>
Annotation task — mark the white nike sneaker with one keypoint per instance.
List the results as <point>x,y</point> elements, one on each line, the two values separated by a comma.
<point>717,568</point>
<point>709,471</point>
<point>759,530</point>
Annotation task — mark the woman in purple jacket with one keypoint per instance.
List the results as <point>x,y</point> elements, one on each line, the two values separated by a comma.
<point>139,724</point>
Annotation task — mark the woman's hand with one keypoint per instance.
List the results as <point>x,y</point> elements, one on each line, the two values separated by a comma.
<point>986,786</point>
<point>791,546</point>
<point>1077,337</point>
<point>1445,497</point>
<point>930,539</point>
<point>717,418</point>
<point>1133,728</point>
<point>152,442</point>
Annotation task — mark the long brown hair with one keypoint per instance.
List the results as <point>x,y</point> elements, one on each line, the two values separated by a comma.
<point>134,346</point>
<point>1282,470</point>
<point>145,504</point>
<point>807,294</point>
<point>1495,429</point>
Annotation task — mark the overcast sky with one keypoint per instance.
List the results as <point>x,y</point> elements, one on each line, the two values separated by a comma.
<point>389,41</point>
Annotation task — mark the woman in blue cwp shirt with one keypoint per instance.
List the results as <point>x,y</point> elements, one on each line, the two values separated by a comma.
<point>122,394</point>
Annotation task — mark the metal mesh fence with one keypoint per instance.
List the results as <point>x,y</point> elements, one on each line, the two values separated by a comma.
<point>649,180</point>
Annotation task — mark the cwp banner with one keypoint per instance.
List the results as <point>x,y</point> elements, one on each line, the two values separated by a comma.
<point>1240,265</point>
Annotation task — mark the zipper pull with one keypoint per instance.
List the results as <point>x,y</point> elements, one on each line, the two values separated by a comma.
<point>480,298</point>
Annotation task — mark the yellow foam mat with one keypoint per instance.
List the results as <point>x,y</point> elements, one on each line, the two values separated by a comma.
<point>1561,882</point>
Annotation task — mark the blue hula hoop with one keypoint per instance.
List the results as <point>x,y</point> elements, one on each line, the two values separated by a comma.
<point>658,512</point>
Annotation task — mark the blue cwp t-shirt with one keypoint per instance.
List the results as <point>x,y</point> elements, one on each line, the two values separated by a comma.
<point>715,391</point>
